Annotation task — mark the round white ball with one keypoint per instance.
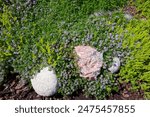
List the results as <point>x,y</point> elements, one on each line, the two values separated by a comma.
<point>115,65</point>
<point>45,82</point>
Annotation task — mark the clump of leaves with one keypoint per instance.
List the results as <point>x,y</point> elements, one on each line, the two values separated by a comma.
<point>46,34</point>
<point>143,7</point>
<point>6,41</point>
<point>137,68</point>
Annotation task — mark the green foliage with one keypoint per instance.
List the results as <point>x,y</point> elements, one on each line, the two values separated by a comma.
<point>6,46</point>
<point>137,68</point>
<point>46,34</point>
<point>143,7</point>
<point>6,20</point>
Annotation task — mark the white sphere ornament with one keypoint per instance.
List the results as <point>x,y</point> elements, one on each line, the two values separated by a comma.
<point>115,65</point>
<point>45,82</point>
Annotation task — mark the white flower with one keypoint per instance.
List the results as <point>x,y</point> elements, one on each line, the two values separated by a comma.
<point>45,82</point>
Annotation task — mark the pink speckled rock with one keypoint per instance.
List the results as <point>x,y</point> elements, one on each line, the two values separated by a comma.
<point>89,61</point>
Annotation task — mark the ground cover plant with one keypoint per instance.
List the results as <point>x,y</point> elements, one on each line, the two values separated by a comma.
<point>44,33</point>
<point>137,40</point>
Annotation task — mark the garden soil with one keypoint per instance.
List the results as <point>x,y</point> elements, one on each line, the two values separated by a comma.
<point>14,89</point>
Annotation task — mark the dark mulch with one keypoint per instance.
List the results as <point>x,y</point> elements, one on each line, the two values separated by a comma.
<point>15,89</point>
<point>125,93</point>
<point>130,10</point>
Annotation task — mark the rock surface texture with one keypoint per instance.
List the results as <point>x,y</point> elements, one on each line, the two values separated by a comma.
<point>45,82</point>
<point>89,61</point>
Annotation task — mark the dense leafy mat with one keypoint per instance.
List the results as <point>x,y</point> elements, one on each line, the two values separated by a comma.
<point>44,33</point>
